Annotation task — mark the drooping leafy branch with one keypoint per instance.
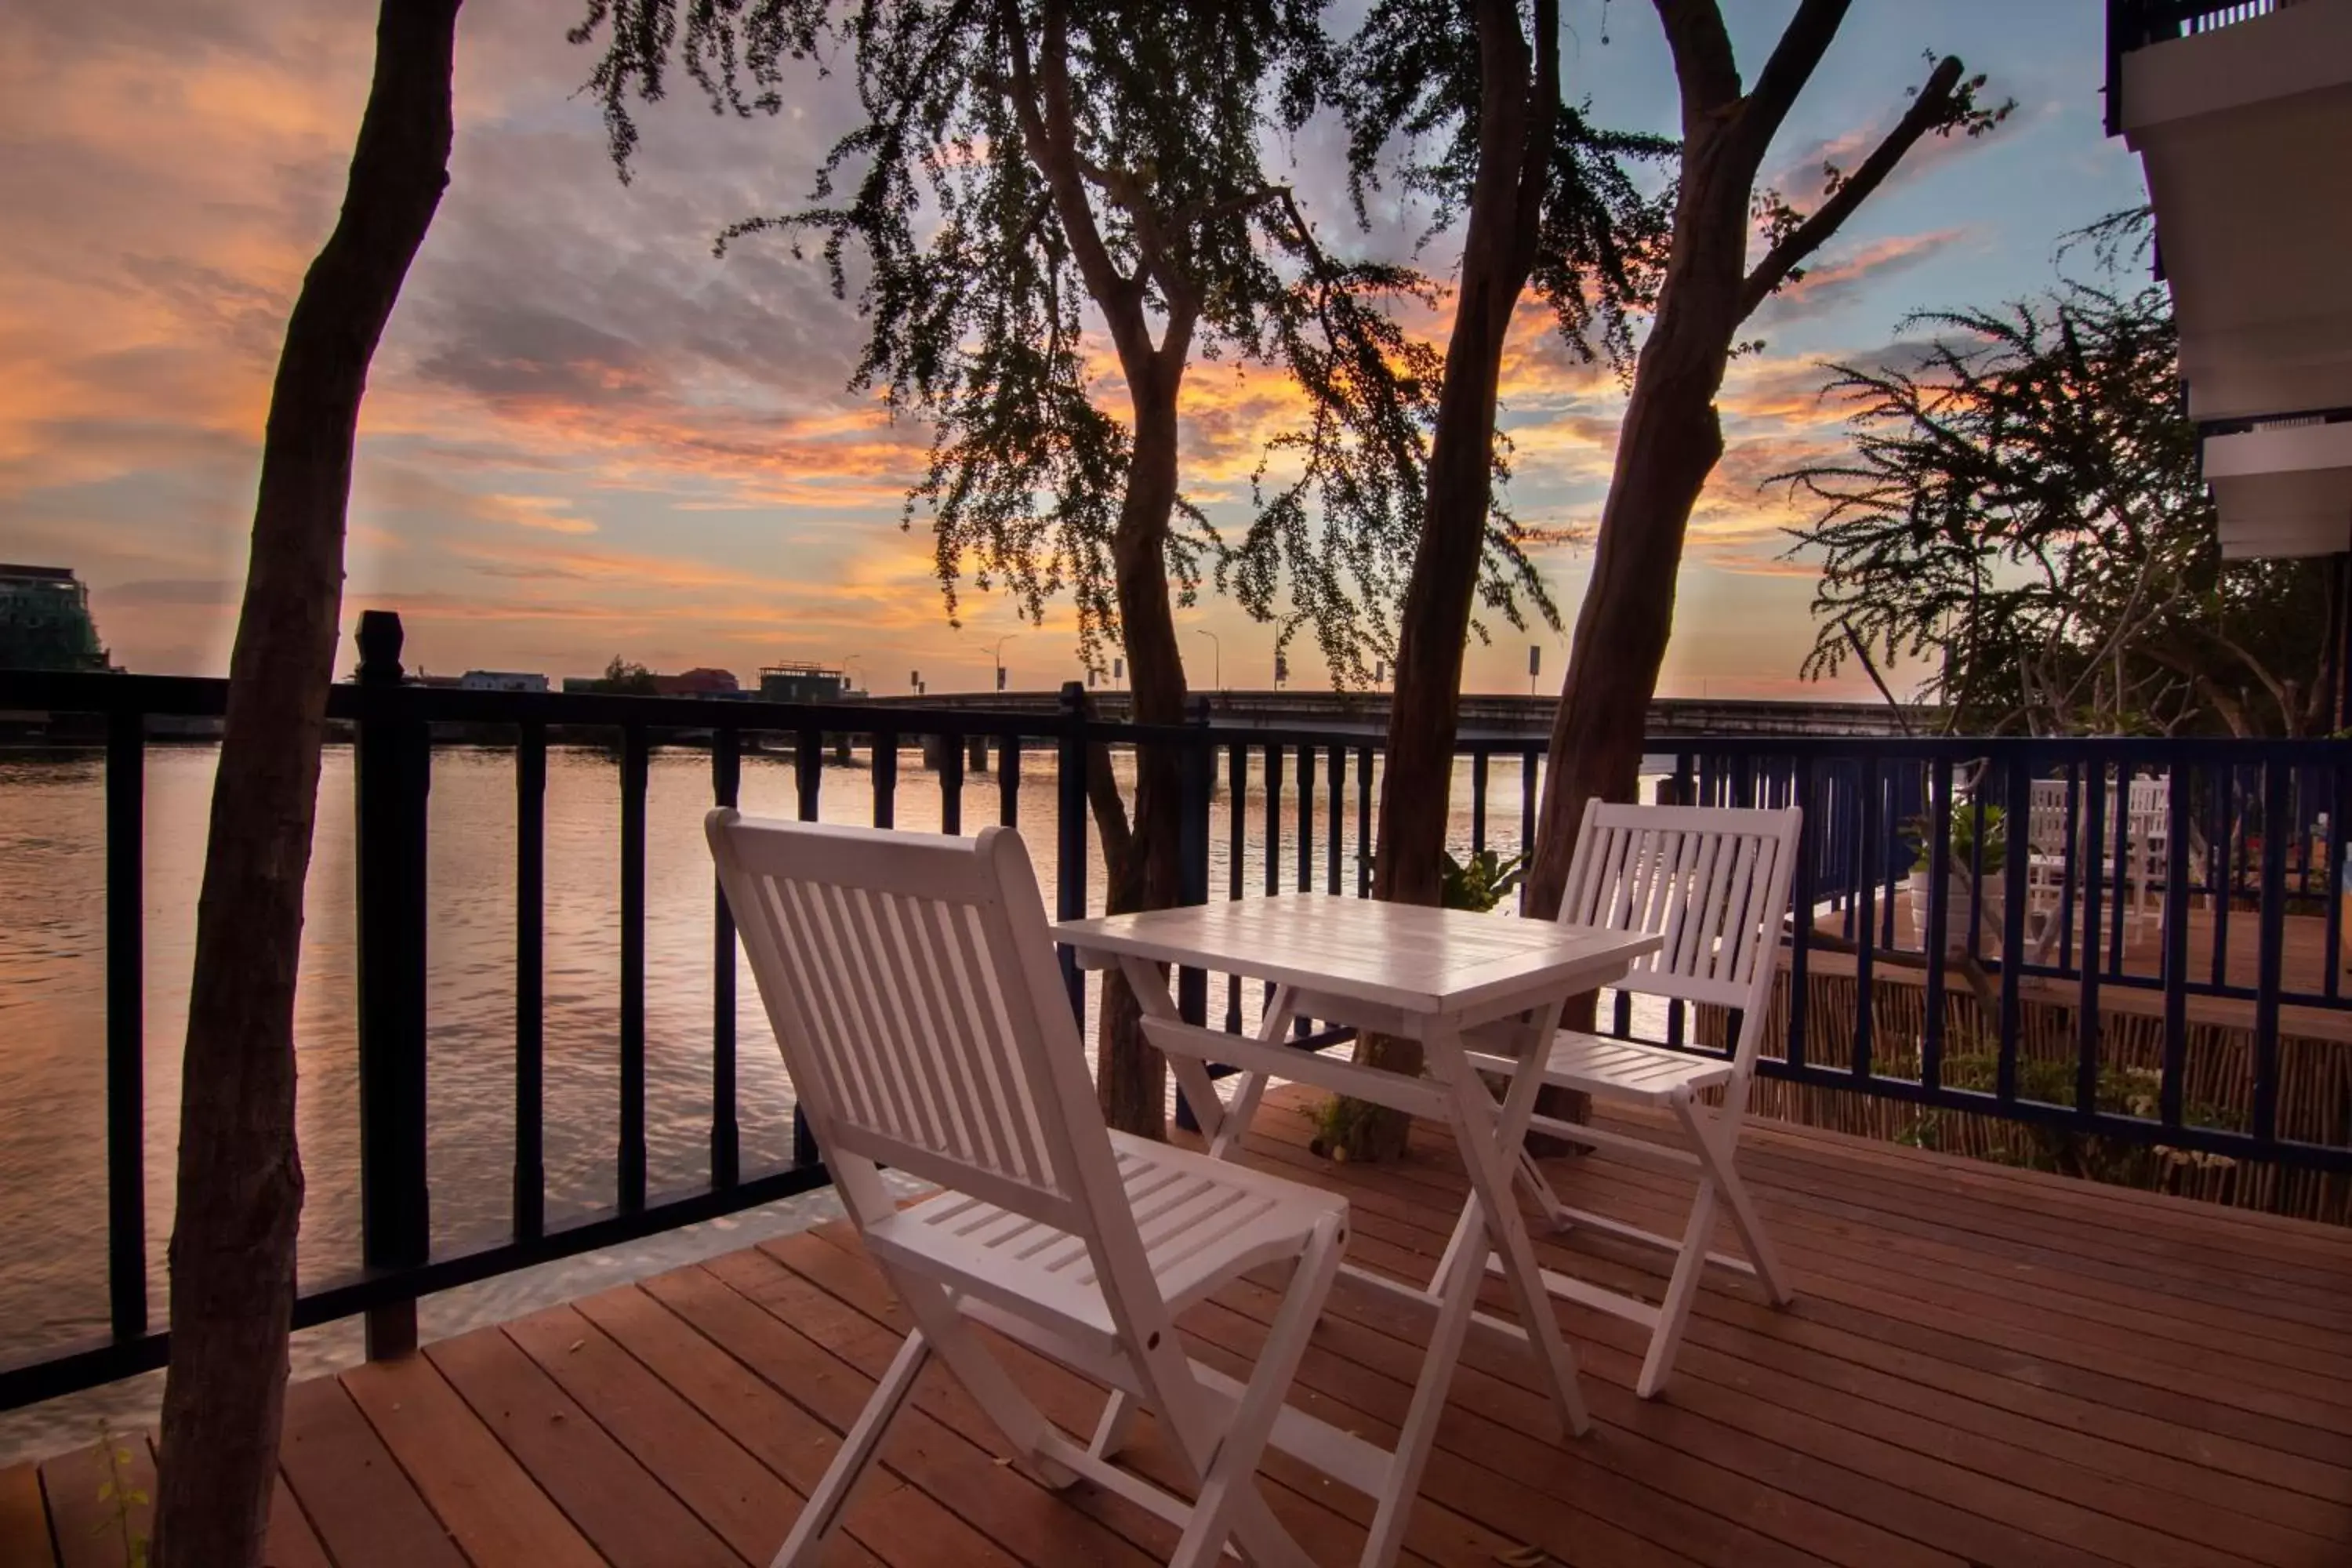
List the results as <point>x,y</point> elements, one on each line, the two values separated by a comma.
<point>1027,177</point>
<point>2022,510</point>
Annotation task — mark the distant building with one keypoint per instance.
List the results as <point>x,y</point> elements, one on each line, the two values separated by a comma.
<point>804,683</point>
<point>697,682</point>
<point>501,680</point>
<point>45,622</point>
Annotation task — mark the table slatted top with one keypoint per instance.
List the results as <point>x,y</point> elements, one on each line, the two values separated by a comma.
<point>1406,956</point>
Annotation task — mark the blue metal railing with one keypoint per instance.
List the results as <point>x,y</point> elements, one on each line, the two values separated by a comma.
<point>2241,915</point>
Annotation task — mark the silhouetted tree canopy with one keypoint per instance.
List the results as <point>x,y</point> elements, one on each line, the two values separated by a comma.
<point>1027,169</point>
<point>2023,510</point>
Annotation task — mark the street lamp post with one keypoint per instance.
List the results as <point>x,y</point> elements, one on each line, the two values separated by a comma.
<point>996,653</point>
<point>1216,657</point>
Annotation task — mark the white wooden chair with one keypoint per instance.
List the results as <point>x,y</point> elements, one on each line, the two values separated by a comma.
<point>1714,884</point>
<point>912,986</point>
<point>2130,892</point>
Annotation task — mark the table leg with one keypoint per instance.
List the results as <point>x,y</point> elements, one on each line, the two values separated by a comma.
<point>1271,1028</point>
<point>1491,1137</point>
<point>1220,1124</point>
<point>1150,988</point>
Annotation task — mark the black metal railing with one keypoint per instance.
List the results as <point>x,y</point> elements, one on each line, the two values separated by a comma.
<point>2231,908</point>
<point>2135,24</point>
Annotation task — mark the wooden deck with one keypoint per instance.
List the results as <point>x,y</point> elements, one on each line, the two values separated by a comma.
<point>2305,957</point>
<point>1985,1366</point>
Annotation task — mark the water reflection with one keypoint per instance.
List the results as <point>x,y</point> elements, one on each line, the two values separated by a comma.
<point>52,987</point>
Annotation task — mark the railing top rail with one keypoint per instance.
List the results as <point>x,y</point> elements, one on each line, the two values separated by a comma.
<point>202,696</point>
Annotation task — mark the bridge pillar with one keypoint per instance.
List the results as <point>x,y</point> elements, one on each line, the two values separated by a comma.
<point>841,748</point>
<point>977,762</point>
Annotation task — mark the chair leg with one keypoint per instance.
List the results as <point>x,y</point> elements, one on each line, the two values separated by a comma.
<point>1230,1502</point>
<point>1682,1290</point>
<point>990,1385</point>
<point>1118,1423</point>
<point>823,1513</point>
<point>1716,1141</point>
<point>1537,1184</point>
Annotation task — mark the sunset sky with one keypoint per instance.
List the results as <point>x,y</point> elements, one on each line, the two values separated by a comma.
<point>584,435</point>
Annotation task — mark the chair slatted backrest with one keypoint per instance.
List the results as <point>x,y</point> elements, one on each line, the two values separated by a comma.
<point>1714,883</point>
<point>910,983</point>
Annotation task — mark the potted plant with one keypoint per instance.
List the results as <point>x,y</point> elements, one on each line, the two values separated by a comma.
<point>1920,834</point>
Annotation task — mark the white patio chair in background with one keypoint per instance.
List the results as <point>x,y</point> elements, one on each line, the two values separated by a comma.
<point>912,986</point>
<point>1714,884</point>
<point>2128,886</point>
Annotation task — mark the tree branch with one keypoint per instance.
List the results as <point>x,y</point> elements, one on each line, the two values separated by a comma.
<point>1929,109</point>
<point>1535,157</point>
<point>1793,60</point>
<point>1705,67</point>
<point>1047,128</point>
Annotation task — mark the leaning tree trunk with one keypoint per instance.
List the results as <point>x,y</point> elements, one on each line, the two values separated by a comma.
<point>1671,437</point>
<point>240,1173</point>
<point>1497,253</point>
<point>1131,1076</point>
<point>1670,443</point>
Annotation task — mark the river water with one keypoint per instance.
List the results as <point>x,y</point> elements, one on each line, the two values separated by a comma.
<point>52,988</point>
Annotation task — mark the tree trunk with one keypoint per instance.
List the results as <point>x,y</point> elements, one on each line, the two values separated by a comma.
<point>1518,94</point>
<point>240,1174</point>
<point>1671,437</point>
<point>1131,1076</point>
<point>1671,441</point>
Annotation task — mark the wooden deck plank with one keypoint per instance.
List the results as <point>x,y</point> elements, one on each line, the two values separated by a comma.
<point>1438,1533</point>
<point>1554,1478</point>
<point>1889,1420</point>
<point>90,1529</point>
<point>729,1489</point>
<point>2115,1312</point>
<point>2040,1191</point>
<point>631,1518</point>
<point>1902,1493</point>
<point>890,1523</point>
<point>2052,1425</point>
<point>2263,1283</point>
<point>23,1519</point>
<point>998,1501</point>
<point>482,1496</point>
<point>292,1542</point>
<point>2311,1428</point>
<point>2054,1413</point>
<point>365,1510</point>
<point>1984,1365</point>
<point>1072,1401</point>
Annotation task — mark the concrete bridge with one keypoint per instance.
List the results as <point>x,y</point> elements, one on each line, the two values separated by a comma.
<point>1482,713</point>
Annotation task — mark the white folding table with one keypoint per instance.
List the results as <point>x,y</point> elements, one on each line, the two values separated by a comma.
<point>1399,969</point>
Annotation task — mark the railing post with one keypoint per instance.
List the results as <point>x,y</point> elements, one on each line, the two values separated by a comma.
<point>530,988</point>
<point>808,783</point>
<point>726,1138</point>
<point>393,776</point>
<point>1199,780</point>
<point>126,1037</point>
<point>1070,834</point>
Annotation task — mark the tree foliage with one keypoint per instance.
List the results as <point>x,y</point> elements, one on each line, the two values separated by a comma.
<point>1411,95</point>
<point>982,283</point>
<point>2022,510</point>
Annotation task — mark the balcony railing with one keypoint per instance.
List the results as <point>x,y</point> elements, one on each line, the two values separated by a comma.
<point>2135,24</point>
<point>2237,915</point>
